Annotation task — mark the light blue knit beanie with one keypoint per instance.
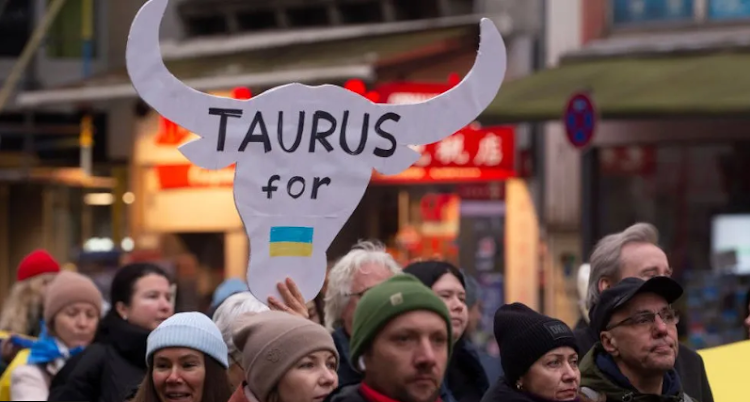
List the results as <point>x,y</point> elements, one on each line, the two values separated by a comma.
<point>188,330</point>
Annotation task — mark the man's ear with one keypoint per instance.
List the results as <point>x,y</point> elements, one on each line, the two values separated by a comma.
<point>609,343</point>
<point>604,284</point>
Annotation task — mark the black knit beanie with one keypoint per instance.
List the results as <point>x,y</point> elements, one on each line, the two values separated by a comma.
<point>429,272</point>
<point>524,336</point>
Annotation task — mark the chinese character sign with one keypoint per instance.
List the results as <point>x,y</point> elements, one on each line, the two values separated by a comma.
<point>471,154</point>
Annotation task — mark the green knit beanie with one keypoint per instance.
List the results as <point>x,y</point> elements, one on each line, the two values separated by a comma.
<point>400,294</point>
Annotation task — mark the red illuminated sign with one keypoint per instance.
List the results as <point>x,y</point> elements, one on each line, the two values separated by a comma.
<point>472,154</point>
<point>483,154</point>
<point>172,177</point>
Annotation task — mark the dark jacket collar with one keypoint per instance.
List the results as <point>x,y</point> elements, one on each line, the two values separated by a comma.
<point>502,392</point>
<point>465,377</point>
<point>600,373</point>
<point>346,372</point>
<point>127,339</point>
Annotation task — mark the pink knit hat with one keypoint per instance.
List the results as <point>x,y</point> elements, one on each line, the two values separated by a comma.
<point>68,288</point>
<point>272,342</point>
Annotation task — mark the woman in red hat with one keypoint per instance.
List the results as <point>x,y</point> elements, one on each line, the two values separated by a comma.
<point>23,308</point>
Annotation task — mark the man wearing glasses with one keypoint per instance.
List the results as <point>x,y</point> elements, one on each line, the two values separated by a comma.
<point>635,253</point>
<point>635,357</point>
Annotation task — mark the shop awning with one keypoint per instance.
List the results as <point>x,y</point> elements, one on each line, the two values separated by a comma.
<point>678,85</point>
<point>323,62</point>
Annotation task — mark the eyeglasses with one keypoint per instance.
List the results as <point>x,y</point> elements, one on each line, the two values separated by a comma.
<point>648,319</point>
<point>358,294</point>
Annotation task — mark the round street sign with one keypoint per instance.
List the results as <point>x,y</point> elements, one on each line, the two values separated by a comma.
<point>580,120</point>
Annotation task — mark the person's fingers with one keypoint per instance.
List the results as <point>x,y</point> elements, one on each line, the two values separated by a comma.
<point>295,290</point>
<point>274,304</point>
<point>286,294</point>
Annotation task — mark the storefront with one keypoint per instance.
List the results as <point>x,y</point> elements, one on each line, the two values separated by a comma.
<point>695,190</point>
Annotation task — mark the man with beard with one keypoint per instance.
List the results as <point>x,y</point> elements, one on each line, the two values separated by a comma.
<point>401,342</point>
<point>635,356</point>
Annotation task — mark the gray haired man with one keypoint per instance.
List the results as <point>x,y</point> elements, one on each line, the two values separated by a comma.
<point>635,253</point>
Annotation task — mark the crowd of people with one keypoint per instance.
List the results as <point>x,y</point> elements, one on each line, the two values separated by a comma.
<point>378,333</point>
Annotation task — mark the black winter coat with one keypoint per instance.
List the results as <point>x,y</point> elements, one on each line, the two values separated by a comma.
<point>689,365</point>
<point>108,370</point>
<point>500,391</point>
<point>465,377</point>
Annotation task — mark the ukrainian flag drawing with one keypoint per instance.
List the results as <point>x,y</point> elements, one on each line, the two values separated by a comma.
<point>291,241</point>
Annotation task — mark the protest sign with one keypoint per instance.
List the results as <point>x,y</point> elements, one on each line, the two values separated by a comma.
<point>304,154</point>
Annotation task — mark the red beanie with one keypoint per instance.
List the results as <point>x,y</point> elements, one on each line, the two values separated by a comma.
<point>37,263</point>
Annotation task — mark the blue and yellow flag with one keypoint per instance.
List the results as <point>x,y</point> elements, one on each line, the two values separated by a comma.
<point>291,241</point>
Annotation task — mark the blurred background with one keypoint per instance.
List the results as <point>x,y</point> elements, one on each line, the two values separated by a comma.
<point>92,174</point>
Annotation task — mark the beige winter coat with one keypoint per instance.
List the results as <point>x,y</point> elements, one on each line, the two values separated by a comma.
<point>30,383</point>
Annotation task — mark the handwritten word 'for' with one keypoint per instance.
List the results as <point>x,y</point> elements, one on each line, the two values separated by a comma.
<point>258,132</point>
<point>295,187</point>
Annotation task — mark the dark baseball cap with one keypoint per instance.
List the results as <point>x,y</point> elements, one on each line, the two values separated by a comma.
<point>617,296</point>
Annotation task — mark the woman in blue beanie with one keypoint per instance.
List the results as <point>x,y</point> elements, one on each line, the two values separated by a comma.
<point>187,362</point>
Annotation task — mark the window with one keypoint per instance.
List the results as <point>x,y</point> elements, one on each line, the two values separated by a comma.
<point>728,9</point>
<point>637,12</point>
<point>15,27</point>
<point>66,35</point>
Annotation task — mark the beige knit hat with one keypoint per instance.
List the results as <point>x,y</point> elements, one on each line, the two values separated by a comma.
<point>68,288</point>
<point>272,342</point>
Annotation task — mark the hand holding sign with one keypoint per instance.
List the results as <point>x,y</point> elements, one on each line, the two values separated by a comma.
<point>294,302</point>
<point>304,154</point>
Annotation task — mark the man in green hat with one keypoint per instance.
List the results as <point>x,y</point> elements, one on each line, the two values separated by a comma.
<point>401,342</point>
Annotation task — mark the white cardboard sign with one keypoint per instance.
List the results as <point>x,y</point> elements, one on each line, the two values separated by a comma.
<point>304,154</point>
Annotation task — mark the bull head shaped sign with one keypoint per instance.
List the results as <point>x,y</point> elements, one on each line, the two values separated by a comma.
<point>304,154</point>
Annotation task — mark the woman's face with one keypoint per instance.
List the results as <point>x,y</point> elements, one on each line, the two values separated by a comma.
<point>449,288</point>
<point>554,376</point>
<point>312,379</point>
<point>75,325</point>
<point>150,304</point>
<point>178,375</point>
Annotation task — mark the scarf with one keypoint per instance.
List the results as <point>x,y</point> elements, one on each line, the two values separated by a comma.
<point>47,349</point>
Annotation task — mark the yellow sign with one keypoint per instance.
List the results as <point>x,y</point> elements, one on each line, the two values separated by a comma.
<point>87,132</point>
<point>726,367</point>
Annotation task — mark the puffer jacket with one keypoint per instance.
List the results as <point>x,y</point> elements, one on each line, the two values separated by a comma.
<point>107,371</point>
<point>602,381</point>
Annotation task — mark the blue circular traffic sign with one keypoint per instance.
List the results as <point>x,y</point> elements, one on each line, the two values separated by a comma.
<point>580,120</point>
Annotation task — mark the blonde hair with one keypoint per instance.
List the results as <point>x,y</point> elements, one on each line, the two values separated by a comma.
<point>24,306</point>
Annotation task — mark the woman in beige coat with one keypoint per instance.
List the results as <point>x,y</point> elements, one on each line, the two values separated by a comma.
<point>72,310</point>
